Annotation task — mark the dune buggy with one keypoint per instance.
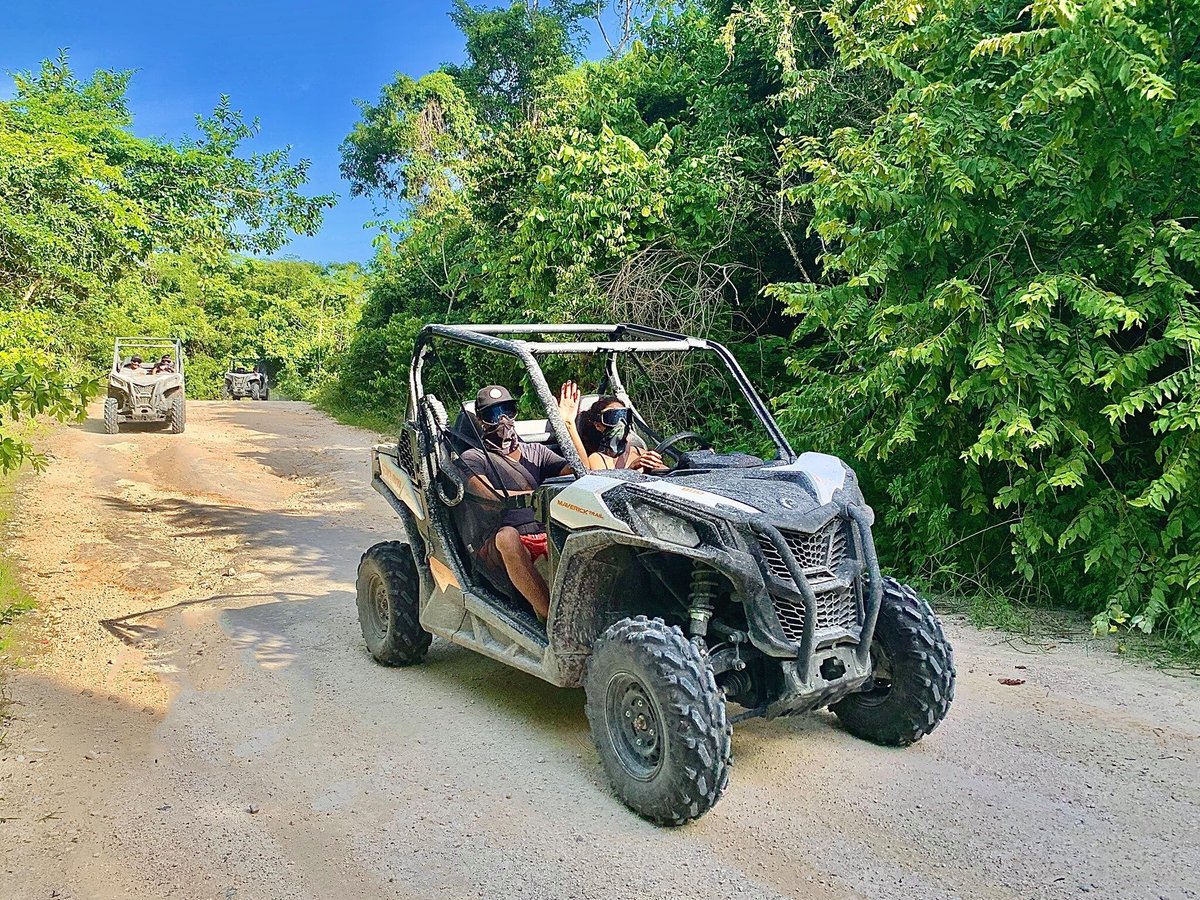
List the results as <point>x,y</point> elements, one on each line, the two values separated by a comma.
<point>730,586</point>
<point>139,393</point>
<point>245,378</point>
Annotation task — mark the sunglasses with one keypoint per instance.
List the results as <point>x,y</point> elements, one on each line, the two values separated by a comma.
<point>493,414</point>
<point>615,416</point>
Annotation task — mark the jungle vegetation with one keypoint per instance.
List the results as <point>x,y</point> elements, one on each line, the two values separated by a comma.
<point>103,233</point>
<point>954,241</point>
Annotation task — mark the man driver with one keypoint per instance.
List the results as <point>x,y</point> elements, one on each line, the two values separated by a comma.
<point>508,467</point>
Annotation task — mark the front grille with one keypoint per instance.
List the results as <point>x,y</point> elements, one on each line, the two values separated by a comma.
<point>836,608</point>
<point>818,554</point>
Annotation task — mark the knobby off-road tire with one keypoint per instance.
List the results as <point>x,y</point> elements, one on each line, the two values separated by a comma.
<point>266,393</point>
<point>226,393</point>
<point>914,673</point>
<point>389,597</point>
<point>177,415</point>
<point>254,392</point>
<point>112,422</point>
<point>648,683</point>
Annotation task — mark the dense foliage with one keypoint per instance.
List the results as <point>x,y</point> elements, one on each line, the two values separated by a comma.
<point>955,240</point>
<point>105,233</point>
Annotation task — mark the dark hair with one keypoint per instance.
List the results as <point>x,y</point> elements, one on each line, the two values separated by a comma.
<point>593,439</point>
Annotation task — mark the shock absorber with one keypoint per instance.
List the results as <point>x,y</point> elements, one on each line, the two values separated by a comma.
<point>702,599</point>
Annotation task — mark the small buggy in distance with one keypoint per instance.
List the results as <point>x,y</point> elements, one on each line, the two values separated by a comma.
<point>728,587</point>
<point>146,384</point>
<point>245,378</point>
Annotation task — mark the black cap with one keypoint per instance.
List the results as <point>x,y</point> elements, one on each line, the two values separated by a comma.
<point>491,395</point>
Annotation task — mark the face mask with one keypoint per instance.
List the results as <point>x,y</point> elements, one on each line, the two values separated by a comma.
<point>618,437</point>
<point>501,437</point>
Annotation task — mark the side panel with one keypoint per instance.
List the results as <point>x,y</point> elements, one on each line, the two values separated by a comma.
<point>581,505</point>
<point>387,467</point>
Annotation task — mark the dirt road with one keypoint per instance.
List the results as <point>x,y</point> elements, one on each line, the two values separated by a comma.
<point>198,718</point>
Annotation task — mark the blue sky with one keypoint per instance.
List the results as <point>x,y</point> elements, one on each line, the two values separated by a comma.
<point>298,66</point>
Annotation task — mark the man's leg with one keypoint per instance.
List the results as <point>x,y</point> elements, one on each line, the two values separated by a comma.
<point>518,562</point>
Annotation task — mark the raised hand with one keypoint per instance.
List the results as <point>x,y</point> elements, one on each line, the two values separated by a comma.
<point>568,402</point>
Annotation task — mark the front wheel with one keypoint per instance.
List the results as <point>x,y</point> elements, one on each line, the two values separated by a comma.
<point>389,597</point>
<point>913,683</point>
<point>658,720</point>
<point>112,419</point>
<point>254,394</point>
<point>177,415</point>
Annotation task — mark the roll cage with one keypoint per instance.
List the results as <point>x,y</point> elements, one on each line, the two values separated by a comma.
<point>143,343</point>
<point>611,340</point>
<point>250,364</point>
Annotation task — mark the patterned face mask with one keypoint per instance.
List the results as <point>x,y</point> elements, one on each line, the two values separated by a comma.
<point>618,438</point>
<point>501,437</point>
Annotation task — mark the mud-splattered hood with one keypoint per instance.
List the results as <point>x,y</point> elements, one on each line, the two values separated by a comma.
<point>803,494</point>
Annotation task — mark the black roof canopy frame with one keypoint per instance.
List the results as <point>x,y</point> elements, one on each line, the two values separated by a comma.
<point>613,340</point>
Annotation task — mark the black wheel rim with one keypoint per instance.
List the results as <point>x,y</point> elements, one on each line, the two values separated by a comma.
<point>634,726</point>
<point>881,673</point>
<point>377,604</point>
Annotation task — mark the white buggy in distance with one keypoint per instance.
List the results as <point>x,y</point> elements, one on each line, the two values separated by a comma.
<point>138,393</point>
<point>245,378</point>
<point>729,578</point>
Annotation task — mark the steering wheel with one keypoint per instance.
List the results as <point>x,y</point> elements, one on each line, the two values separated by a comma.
<point>668,445</point>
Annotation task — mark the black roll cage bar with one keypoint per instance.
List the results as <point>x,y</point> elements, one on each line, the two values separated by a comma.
<point>624,338</point>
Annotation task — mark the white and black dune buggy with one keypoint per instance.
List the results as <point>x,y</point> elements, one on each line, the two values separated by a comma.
<point>141,388</point>
<point>245,378</point>
<point>728,578</point>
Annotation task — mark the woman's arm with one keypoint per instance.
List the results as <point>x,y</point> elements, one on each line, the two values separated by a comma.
<point>568,408</point>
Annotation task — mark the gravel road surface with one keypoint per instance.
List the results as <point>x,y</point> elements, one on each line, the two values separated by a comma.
<point>196,717</point>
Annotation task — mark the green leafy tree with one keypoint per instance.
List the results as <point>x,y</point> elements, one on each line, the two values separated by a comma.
<point>512,53</point>
<point>1007,328</point>
<point>85,205</point>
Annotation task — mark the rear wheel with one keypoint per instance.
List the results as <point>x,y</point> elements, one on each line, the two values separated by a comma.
<point>177,415</point>
<point>658,720</point>
<point>112,421</point>
<point>913,683</point>
<point>389,597</point>
<point>266,393</point>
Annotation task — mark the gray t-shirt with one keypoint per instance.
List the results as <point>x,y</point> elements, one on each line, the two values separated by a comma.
<point>537,463</point>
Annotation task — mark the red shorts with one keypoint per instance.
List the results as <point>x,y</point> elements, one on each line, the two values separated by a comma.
<point>536,545</point>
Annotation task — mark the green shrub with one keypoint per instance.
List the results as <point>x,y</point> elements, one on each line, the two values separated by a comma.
<point>1007,332</point>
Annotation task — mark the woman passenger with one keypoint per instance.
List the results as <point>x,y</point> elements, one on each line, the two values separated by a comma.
<point>607,427</point>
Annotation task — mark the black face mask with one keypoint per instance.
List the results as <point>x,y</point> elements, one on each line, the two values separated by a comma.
<point>500,437</point>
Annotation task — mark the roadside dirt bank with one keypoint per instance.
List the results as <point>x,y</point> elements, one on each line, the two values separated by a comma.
<point>197,717</point>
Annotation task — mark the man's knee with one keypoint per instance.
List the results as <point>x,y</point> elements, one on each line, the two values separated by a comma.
<point>508,542</point>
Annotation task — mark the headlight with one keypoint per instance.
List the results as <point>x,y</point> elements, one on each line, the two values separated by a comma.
<point>666,527</point>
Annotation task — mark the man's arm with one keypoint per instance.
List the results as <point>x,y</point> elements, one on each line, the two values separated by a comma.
<point>479,486</point>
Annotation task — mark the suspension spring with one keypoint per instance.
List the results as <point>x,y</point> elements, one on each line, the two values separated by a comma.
<point>702,599</point>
